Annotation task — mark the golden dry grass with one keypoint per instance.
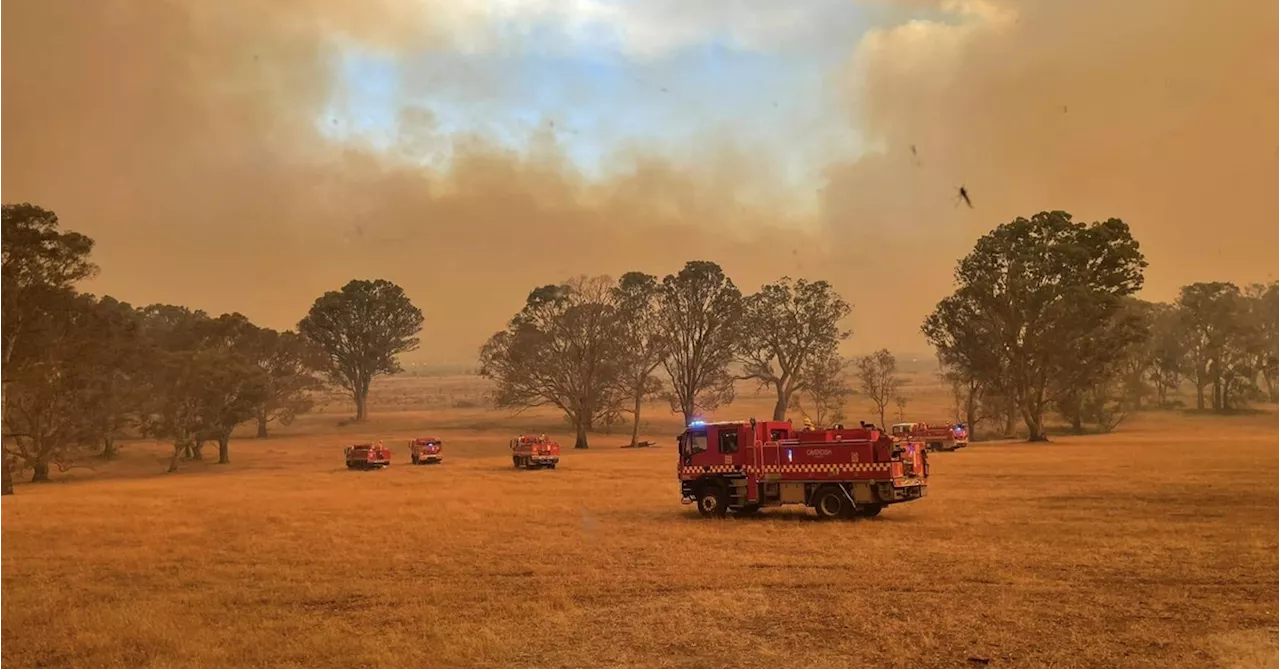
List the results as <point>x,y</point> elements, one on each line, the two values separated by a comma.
<point>1152,547</point>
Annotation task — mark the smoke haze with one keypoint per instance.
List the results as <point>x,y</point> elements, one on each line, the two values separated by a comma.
<point>185,137</point>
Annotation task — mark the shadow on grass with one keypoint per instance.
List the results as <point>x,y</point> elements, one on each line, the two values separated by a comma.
<point>777,516</point>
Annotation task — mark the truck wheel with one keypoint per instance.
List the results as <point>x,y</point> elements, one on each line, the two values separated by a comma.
<point>414,458</point>
<point>830,502</point>
<point>711,501</point>
<point>551,466</point>
<point>515,461</point>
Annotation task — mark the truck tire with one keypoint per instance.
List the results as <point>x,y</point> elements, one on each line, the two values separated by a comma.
<point>414,458</point>
<point>830,502</point>
<point>712,501</point>
<point>515,461</point>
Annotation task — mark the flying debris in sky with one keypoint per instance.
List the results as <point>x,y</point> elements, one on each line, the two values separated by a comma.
<point>964,195</point>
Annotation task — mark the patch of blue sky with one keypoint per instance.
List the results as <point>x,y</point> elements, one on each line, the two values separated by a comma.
<point>600,101</point>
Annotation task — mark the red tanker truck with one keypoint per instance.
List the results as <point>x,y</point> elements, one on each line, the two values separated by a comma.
<point>534,451</point>
<point>368,456</point>
<point>935,437</point>
<point>744,466</point>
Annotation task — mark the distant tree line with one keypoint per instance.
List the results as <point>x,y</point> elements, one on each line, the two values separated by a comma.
<point>594,347</point>
<point>81,371</point>
<point>1043,318</point>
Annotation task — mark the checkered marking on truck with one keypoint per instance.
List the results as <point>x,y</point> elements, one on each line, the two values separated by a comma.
<point>832,468</point>
<point>712,469</point>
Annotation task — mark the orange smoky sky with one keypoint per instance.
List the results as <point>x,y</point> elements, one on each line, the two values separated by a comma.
<point>188,138</point>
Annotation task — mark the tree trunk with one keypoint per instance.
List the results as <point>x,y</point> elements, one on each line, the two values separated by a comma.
<point>1035,427</point>
<point>197,451</point>
<point>362,398</point>
<point>40,472</point>
<point>1217,392</point>
<point>780,407</point>
<point>635,420</point>
<point>1033,412</point>
<point>686,407</point>
<point>581,440</point>
<point>173,461</point>
<point>882,425</point>
<point>971,407</point>
<point>5,471</point>
<point>108,448</point>
<point>262,424</point>
<point>224,452</point>
<point>6,484</point>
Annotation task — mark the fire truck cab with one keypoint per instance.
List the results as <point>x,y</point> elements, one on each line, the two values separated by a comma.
<point>743,466</point>
<point>426,450</point>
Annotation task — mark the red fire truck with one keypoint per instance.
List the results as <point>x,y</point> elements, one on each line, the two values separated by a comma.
<point>935,437</point>
<point>534,451</point>
<point>746,465</point>
<point>368,456</point>
<point>426,450</point>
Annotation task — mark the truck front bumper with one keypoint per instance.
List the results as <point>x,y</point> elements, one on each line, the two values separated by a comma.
<point>544,459</point>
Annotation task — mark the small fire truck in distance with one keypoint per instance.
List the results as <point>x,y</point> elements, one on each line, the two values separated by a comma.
<point>935,437</point>
<point>534,451</point>
<point>426,450</point>
<point>744,466</point>
<point>368,456</point>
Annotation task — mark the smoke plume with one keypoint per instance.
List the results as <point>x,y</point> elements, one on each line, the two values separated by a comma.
<point>183,137</point>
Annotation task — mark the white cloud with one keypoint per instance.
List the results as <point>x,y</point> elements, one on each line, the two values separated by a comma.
<point>640,29</point>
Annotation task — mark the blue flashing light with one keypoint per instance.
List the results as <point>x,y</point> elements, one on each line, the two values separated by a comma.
<point>697,423</point>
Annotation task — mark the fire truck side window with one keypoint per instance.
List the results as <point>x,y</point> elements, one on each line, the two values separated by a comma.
<point>728,441</point>
<point>695,443</point>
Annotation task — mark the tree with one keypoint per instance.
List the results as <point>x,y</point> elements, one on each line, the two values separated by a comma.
<point>117,383</point>
<point>1136,359</point>
<point>560,350</point>
<point>231,385</point>
<point>1265,303</point>
<point>699,316</point>
<point>1103,363</point>
<point>643,347</point>
<point>970,363</point>
<point>878,379</point>
<point>902,402</point>
<point>290,363</point>
<point>361,329</point>
<point>1167,351</point>
<point>793,324</point>
<point>1042,289</point>
<point>51,390</point>
<point>1208,318</point>
<point>38,264</point>
<point>827,388</point>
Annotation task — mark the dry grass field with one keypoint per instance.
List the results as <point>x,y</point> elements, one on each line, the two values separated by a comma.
<point>1155,546</point>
